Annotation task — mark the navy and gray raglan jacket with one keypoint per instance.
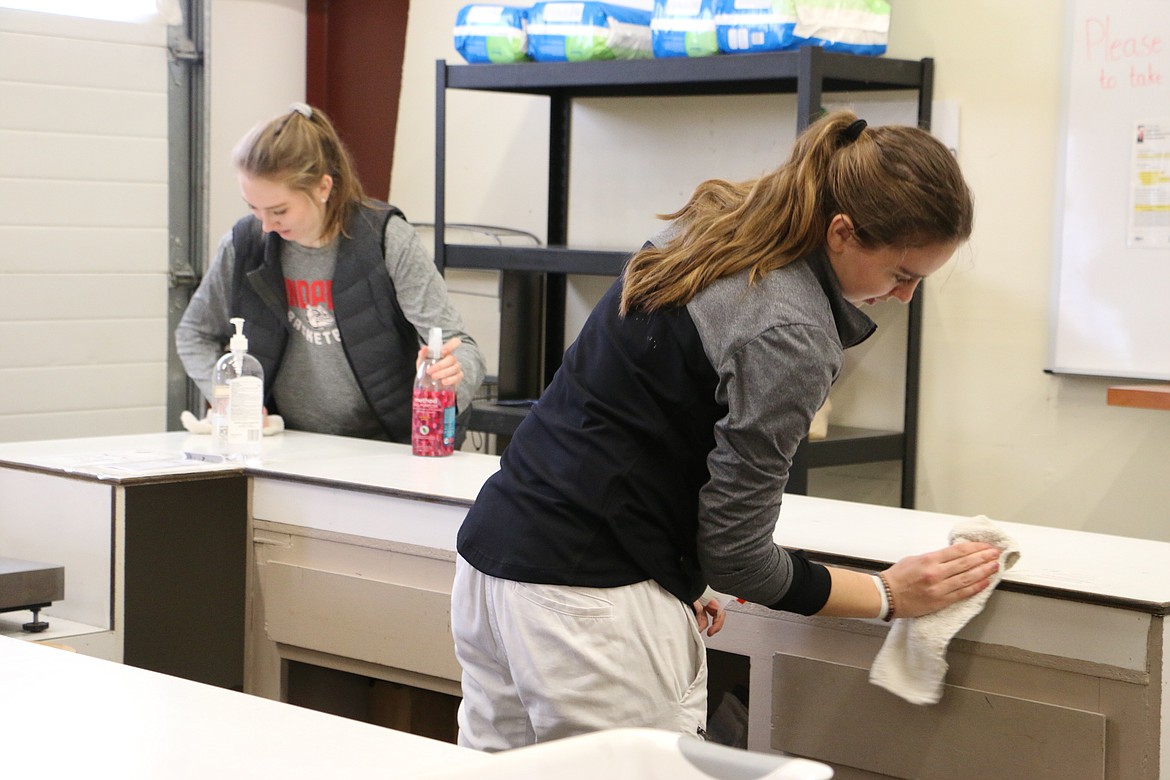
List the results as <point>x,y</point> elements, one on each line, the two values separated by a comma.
<point>662,446</point>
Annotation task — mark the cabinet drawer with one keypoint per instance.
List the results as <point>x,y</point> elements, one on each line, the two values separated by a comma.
<point>830,712</point>
<point>367,619</point>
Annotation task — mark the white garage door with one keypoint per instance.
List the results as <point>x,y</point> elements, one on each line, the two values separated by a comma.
<point>83,226</point>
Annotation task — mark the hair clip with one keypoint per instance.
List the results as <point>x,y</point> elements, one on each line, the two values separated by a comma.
<point>303,109</point>
<point>851,133</point>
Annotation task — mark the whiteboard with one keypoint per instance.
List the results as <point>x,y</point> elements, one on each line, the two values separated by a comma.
<point>1110,312</point>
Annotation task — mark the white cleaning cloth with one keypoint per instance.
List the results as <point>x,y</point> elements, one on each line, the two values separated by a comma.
<point>273,423</point>
<point>912,663</point>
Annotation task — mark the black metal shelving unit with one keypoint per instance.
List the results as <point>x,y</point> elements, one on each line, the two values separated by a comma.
<point>533,280</point>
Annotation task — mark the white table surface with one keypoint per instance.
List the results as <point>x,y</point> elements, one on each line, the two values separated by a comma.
<point>1078,562</point>
<point>379,466</point>
<point>64,714</point>
<point>70,715</point>
<point>1104,567</point>
<point>337,460</point>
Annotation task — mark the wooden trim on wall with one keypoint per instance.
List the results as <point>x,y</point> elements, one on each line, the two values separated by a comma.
<point>354,73</point>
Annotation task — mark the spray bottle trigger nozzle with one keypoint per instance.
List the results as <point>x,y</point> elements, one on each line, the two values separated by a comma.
<point>435,343</point>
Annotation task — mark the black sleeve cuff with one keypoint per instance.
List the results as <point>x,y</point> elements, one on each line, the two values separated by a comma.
<point>810,586</point>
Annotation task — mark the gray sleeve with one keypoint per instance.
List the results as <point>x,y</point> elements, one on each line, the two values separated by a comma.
<point>204,330</point>
<point>772,386</point>
<point>422,295</point>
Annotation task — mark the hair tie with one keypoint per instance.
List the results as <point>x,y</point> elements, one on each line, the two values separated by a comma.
<point>852,132</point>
<point>303,109</point>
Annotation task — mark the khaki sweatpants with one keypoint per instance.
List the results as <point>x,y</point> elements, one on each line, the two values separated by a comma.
<point>542,662</point>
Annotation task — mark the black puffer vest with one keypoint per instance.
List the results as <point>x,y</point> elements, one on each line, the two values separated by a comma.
<point>379,342</point>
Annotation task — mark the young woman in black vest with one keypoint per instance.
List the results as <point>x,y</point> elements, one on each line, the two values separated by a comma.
<point>336,290</point>
<point>654,465</point>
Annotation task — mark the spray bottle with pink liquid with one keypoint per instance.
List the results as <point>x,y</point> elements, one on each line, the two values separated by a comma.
<point>432,430</point>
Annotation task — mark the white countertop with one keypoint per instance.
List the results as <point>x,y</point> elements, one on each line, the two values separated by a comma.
<point>70,715</point>
<point>308,457</point>
<point>379,467</point>
<point>1106,568</point>
<point>115,458</point>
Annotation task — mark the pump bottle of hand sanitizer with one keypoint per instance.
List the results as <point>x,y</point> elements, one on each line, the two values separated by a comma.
<point>432,426</point>
<point>237,412</point>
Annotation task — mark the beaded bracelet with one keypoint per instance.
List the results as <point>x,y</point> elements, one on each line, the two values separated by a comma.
<point>888,597</point>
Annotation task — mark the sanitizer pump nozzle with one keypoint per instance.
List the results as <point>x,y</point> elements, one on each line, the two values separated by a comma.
<point>238,343</point>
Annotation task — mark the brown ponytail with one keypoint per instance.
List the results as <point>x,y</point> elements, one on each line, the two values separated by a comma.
<point>899,185</point>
